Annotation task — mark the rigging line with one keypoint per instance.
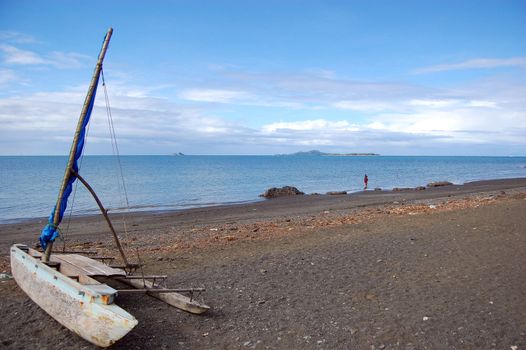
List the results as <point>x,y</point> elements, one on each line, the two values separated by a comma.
<point>108,114</point>
<point>115,149</point>
<point>113,136</point>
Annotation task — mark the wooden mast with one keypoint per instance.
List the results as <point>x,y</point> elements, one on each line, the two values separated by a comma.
<point>83,115</point>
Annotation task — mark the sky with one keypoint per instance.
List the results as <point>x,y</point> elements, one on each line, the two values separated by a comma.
<point>267,77</point>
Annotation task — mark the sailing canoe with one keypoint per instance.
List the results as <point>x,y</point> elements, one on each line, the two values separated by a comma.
<point>85,309</point>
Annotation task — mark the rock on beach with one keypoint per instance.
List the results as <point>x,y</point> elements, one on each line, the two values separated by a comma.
<point>284,191</point>
<point>336,193</point>
<point>439,184</point>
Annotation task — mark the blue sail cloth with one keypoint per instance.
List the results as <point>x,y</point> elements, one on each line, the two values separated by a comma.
<point>51,231</point>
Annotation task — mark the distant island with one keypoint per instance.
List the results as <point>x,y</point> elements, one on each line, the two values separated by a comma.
<point>319,153</point>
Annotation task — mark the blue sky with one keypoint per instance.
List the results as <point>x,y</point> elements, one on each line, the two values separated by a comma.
<point>266,77</point>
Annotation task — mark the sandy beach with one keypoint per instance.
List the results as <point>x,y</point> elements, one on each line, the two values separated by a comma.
<point>439,268</point>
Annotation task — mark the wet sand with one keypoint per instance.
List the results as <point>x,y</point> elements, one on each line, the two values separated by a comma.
<point>432,269</point>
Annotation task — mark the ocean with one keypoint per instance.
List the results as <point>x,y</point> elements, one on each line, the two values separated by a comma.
<point>29,185</point>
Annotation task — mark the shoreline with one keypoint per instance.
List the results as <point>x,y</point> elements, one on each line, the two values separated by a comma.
<point>408,269</point>
<point>188,224</point>
<point>472,185</point>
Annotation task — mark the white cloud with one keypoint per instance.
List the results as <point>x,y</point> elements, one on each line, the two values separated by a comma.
<point>309,125</point>
<point>57,59</point>
<point>433,103</point>
<point>6,76</point>
<point>16,37</point>
<point>212,95</point>
<point>68,60</point>
<point>477,63</point>
<point>364,106</point>
<point>14,55</point>
<point>334,114</point>
<point>482,104</point>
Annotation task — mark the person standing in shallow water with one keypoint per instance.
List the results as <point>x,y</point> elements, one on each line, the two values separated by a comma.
<point>365,181</point>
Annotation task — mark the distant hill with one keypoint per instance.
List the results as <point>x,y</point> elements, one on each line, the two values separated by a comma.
<point>319,153</point>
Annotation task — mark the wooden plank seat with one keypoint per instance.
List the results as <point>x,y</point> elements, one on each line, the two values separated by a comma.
<point>80,270</point>
<point>87,266</point>
<point>103,293</point>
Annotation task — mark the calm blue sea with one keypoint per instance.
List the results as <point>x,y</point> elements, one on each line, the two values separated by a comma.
<point>29,185</point>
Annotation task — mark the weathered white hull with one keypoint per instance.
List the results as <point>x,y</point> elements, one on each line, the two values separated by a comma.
<point>76,306</point>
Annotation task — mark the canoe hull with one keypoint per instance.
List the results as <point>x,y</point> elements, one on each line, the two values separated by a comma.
<point>72,304</point>
<point>175,299</point>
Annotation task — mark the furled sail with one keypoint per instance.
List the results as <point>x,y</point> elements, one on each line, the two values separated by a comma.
<point>50,231</point>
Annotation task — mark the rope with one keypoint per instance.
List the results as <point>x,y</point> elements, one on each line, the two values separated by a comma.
<point>115,149</point>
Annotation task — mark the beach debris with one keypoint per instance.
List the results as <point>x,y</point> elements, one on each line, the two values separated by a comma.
<point>206,235</point>
<point>370,296</point>
<point>5,277</point>
<point>432,206</point>
<point>335,193</point>
<point>439,184</point>
<point>425,318</point>
<point>284,191</point>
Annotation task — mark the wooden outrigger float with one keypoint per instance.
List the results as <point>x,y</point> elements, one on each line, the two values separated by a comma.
<point>74,288</point>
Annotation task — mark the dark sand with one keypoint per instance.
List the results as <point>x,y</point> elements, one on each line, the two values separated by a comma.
<point>441,268</point>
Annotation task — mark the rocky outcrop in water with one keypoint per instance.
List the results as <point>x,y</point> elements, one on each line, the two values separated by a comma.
<point>285,191</point>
